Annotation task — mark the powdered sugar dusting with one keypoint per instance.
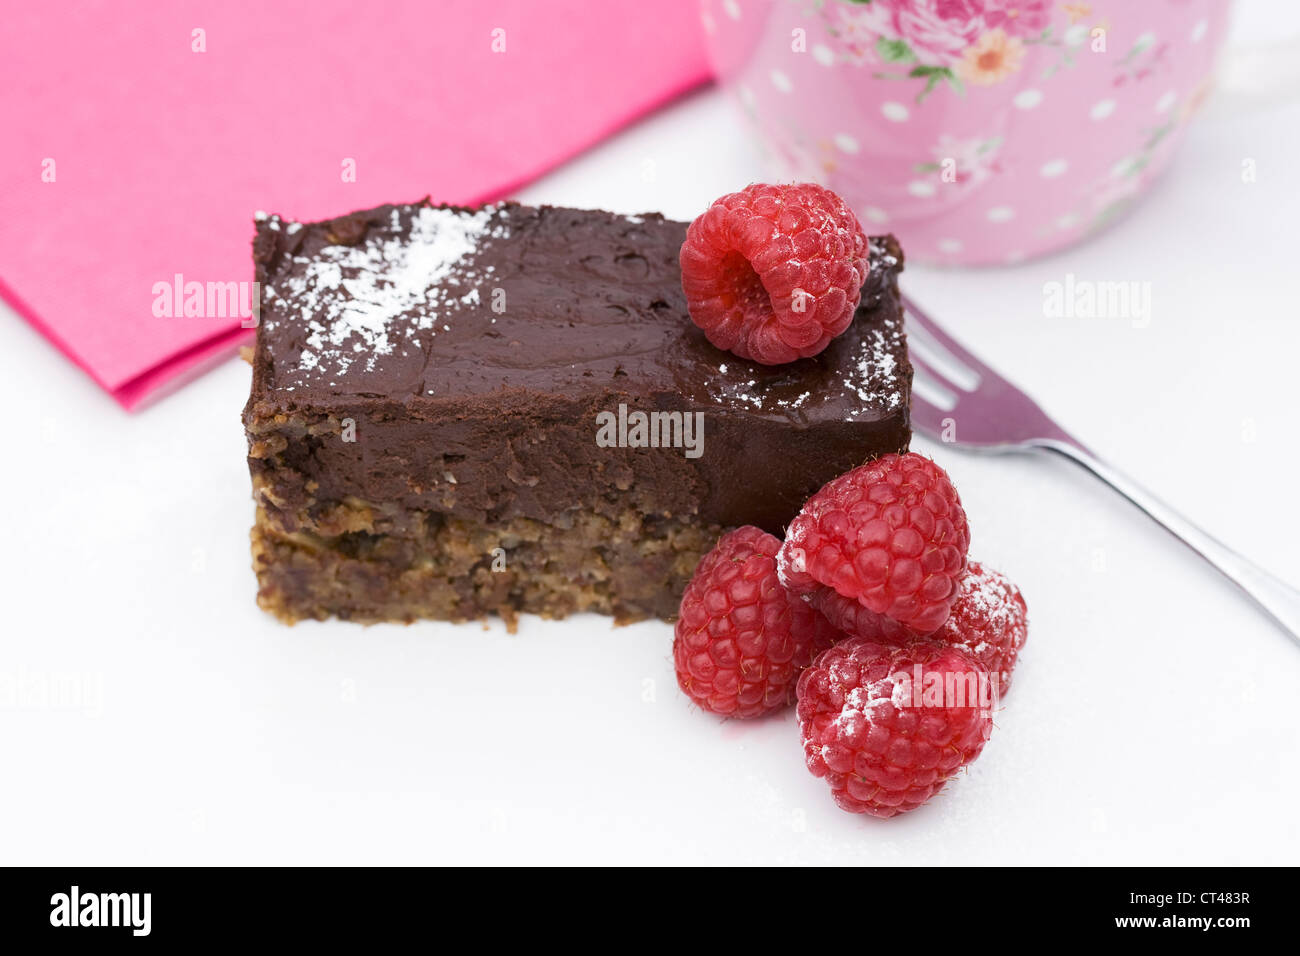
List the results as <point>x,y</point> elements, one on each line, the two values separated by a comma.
<point>871,376</point>
<point>739,393</point>
<point>874,378</point>
<point>990,597</point>
<point>360,302</point>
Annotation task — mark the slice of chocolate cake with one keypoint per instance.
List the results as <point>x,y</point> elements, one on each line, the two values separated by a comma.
<point>459,412</point>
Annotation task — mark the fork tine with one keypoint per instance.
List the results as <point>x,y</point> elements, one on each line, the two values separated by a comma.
<point>933,399</point>
<point>931,328</point>
<point>939,361</point>
<point>994,413</point>
<point>925,366</point>
<point>929,419</point>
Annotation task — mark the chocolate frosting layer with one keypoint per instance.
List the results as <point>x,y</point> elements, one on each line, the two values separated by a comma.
<point>474,350</point>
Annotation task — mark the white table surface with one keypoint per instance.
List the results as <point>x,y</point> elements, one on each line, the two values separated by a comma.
<point>1153,717</point>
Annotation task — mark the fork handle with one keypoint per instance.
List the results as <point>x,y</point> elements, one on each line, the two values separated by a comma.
<point>1279,600</point>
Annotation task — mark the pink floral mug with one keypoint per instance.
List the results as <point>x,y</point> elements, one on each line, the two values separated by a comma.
<point>979,131</point>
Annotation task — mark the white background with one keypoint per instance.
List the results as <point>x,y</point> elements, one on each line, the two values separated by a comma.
<point>1153,715</point>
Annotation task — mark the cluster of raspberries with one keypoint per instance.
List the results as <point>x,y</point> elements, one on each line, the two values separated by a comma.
<point>895,647</point>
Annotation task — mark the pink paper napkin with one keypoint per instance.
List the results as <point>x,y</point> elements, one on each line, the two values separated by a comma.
<point>137,140</point>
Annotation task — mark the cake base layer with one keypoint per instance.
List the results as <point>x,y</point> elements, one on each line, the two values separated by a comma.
<point>633,567</point>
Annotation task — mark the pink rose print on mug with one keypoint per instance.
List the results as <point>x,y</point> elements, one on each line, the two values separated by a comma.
<point>957,41</point>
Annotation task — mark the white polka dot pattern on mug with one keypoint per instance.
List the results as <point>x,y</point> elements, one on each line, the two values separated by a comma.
<point>846,143</point>
<point>1102,109</point>
<point>894,112</point>
<point>1028,99</point>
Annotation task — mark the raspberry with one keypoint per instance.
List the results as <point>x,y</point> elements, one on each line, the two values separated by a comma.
<point>887,726</point>
<point>773,273</point>
<point>742,639</point>
<point>989,620</point>
<point>891,533</point>
<point>851,617</point>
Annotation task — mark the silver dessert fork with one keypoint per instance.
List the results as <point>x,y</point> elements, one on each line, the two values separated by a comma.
<point>959,400</point>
